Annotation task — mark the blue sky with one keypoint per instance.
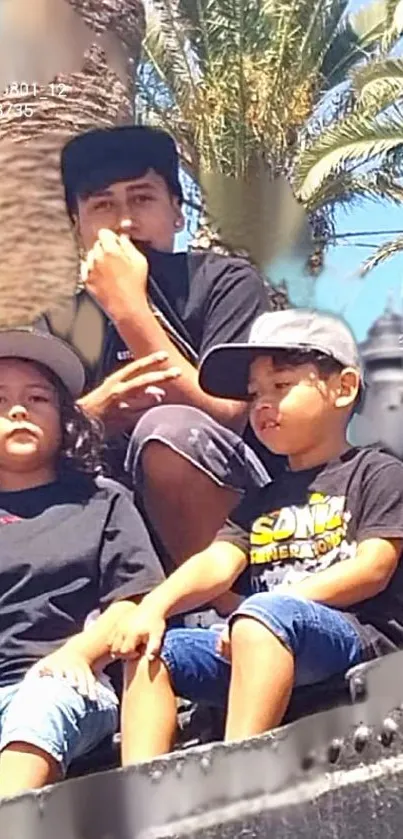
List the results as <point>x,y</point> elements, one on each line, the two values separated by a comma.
<point>341,289</point>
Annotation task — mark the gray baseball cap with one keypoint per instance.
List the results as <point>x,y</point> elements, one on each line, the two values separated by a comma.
<point>36,343</point>
<point>224,370</point>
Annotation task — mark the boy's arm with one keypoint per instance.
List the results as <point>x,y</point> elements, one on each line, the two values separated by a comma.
<point>80,655</point>
<point>92,643</point>
<point>352,580</point>
<point>118,281</point>
<point>199,580</point>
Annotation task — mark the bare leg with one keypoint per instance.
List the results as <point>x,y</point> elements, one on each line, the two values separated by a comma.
<point>149,716</point>
<point>262,679</point>
<point>186,507</point>
<point>23,767</point>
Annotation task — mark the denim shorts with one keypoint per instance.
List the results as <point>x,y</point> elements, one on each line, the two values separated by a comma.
<point>323,641</point>
<point>46,712</point>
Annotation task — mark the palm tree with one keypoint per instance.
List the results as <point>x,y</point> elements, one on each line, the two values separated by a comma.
<point>357,153</point>
<point>238,81</point>
<point>83,56</point>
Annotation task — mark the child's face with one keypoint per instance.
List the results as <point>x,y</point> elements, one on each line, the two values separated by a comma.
<point>30,431</point>
<point>291,407</point>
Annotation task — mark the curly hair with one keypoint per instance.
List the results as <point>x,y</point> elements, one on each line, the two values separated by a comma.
<point>82,436</point>
<point>82,439</point>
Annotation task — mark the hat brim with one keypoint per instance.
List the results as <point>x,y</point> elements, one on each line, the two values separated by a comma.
<point>47,350</point>
<point>224,370</point>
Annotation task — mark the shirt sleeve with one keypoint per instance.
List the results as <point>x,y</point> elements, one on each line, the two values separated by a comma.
<point>381,513</point>
<point>238,296</point>
<point>236,529</point>
<point>129,565</point>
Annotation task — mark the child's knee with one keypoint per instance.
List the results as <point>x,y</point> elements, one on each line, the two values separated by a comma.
<point>49,714</point>
<point>246,634</point>
<point>283,615</point>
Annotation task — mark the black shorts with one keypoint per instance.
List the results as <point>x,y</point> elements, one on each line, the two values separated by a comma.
<point>217,451</point>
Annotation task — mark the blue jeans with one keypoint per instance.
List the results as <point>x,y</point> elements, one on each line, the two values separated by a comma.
<point>48,713</point>
<point>323,641</point>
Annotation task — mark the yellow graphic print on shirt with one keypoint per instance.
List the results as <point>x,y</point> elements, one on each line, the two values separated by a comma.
<point>300,533</point>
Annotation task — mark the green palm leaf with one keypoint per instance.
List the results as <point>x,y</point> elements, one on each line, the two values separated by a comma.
<point>381,254</point>
<point>356,138</point>
<point>348,188</point>
<point>379,83</point>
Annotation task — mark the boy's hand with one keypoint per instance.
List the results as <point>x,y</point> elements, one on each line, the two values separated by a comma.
<point>224,644</point>
<point>130,390</point>
<point>136,635</point>
<point>69,665</point>
<point>114,270</point>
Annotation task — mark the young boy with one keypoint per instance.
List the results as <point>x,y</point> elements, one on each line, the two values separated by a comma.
<point>190,453</point>
<point>317,550</point>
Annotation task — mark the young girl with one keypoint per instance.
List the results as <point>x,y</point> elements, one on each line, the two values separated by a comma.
<point>69,545</point>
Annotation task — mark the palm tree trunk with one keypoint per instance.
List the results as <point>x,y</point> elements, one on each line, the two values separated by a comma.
<point>92,96</point>
<point>36,239</point>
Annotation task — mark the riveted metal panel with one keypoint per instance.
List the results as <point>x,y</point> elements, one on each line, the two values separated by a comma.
<point>338,773</point>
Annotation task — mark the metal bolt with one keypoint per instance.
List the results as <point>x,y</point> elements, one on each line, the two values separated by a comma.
<point>358,689</point>
<point>389,730</point>
<point>334,750</point>
<point>156,775</point>
<point>308,761</point>
<point>205,764</point>
<point>361,737</point>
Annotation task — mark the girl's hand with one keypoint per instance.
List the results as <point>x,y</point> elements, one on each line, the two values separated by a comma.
<point>68,665</point>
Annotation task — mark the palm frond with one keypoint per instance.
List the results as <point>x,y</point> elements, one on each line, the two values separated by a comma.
<point>370,22</point>
<point>346,189</point>
<point>357,38</point>
<point>379,83</point>
<point>394,24</point>
<point>168,50</point>
<point>357,138</point>
<point>384,252</point>
<point>175,38</point>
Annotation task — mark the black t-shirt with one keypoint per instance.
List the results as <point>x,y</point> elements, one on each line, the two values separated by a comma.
<point>305,521</point>
<point>216,299</point>
<point>67,548</point>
